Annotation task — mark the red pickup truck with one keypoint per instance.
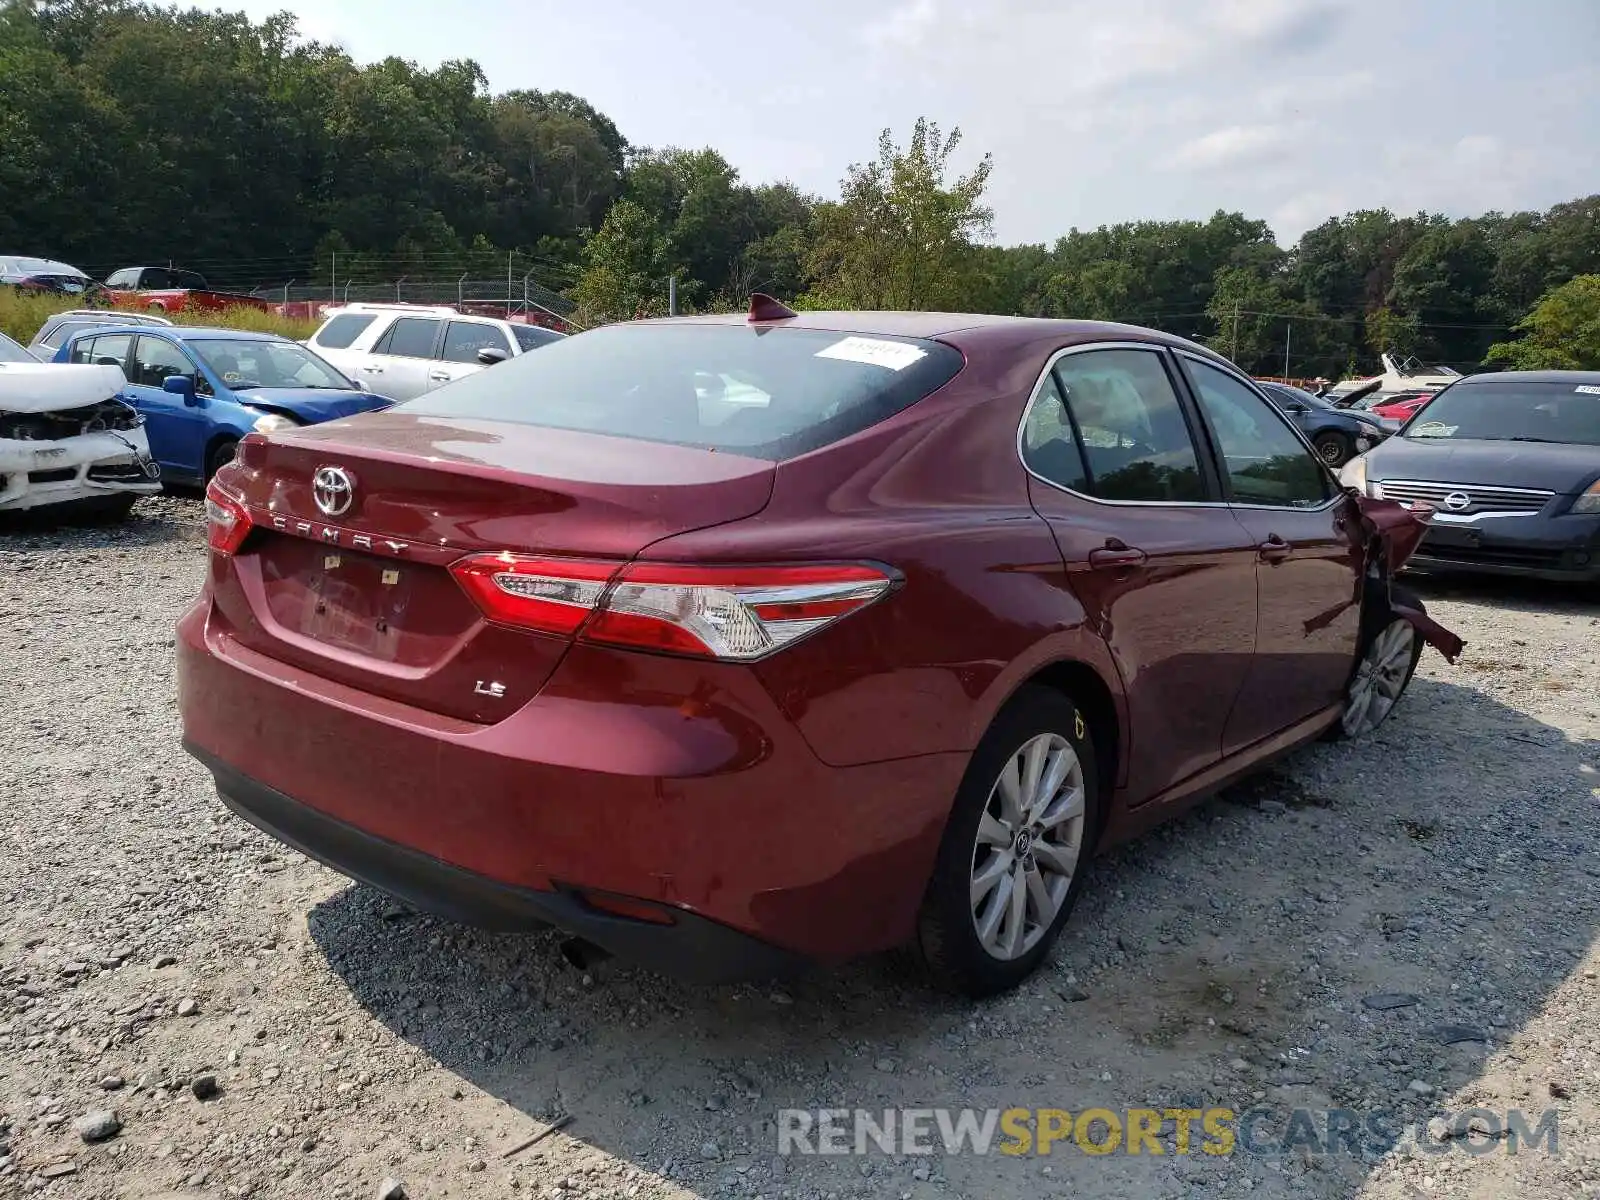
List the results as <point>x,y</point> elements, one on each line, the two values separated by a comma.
<point>164,289</point>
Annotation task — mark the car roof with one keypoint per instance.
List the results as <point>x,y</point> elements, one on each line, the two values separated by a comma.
<point>186,333</point>
<point>1591,378</point>
<point>196,333</point>
<point>961,329</point>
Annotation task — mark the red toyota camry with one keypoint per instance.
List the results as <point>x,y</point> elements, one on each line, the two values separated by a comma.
<point>727,644</point>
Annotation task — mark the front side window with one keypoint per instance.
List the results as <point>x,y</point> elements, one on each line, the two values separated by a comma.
<point>409,337</point>
<point>463,340</point>
<point>531,337</point>
<point>155,360</point>
<point>1266,463</point>
<point>1131,432</point>
<point>342,331</point>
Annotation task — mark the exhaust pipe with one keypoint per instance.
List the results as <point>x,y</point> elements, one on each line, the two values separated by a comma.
<point>582,955</point>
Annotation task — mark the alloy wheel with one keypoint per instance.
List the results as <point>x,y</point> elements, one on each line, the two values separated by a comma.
<point>1027,848</point>
<point>1380,678</point>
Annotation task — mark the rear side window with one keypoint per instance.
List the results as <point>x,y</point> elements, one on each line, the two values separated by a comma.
<point>409,337</point>
<point>765,393</point>
<point>11,352</point>
<point>109,349</point>
<point>1134,441</point>
<point>344,329</point>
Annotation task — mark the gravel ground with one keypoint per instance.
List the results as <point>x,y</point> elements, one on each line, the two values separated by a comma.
<point>228,1019</point>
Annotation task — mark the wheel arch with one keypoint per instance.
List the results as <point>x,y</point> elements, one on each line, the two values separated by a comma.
<point>1093,689</point>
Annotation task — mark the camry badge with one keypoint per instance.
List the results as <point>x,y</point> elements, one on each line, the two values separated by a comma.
<point>333,490</point>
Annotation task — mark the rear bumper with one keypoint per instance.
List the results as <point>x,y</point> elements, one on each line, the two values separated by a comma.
<point>1558,549</point>
<point>684,787</point>
<point>690,946</point>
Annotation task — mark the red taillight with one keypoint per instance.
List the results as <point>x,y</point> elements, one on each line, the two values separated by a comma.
<point>734,613</point>
<point>552,595</point>
<point>227,521</point>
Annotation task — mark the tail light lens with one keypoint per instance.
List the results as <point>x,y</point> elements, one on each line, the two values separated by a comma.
<point>227,522</point>
<point>548,594</point>
<point>734,613</point>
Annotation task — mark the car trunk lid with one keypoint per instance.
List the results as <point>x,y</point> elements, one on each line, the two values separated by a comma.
<point>357,588</point>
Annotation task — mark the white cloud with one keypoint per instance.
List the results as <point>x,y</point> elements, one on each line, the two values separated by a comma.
<point>905,26</point>
<point>1235,146</point>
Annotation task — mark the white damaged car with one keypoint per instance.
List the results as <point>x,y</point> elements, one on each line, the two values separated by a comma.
<point>66,439</point>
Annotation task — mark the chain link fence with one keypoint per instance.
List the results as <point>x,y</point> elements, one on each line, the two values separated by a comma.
<point>523,298</point>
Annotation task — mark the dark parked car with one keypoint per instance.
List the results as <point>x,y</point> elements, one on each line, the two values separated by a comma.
<point>728,643</point>
<point>1337,434</point>
<point>45,275</point>
<point>1510,463</point>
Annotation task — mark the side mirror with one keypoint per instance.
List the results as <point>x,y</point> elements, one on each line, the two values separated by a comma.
<point>180,385</point>
<point>361,385</point>
<point>488,356</point>
<point>1296,408</point>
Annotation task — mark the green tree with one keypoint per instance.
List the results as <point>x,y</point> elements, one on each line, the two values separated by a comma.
<point>1262,328</point>
<point>1562,333</point>
<point>902,235</point>
<point>626,267</point>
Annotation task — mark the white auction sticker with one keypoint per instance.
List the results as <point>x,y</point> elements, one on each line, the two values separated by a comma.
<point>875,352</point>
<point>1587,389</point>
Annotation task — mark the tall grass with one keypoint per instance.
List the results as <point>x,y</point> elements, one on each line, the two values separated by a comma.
<point>22,313</point>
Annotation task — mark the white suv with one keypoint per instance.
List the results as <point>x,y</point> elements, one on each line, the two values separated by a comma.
<point>403,350</point>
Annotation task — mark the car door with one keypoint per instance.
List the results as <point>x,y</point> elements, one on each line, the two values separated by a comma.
<point>1152,553</point>
<point>177,428</point>
<point>458,354</point>
<point>1310,561</point>
<point>402,358</point>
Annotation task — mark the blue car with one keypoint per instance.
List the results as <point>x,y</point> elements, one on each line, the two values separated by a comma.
<point>201,390</point>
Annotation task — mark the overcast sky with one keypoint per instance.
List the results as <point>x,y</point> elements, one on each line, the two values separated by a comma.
<point>1291,110</point>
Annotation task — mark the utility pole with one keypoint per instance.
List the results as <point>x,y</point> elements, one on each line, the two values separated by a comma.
<point>510,254</point>
<point>333,278</point>
<point>1288,329</point>
<point>672,295</point>
<point>1234,352</point>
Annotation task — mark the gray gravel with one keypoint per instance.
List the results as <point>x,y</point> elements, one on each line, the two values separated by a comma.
<point>1406,924</point>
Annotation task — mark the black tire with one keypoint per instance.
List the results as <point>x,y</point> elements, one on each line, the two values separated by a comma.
<point>947,940</point>
<point>1334,449</point>
<point>1376,618</point>
<point>221,455</point>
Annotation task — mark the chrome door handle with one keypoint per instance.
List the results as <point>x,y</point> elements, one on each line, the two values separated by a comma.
<point>1274,550</point>
<point>1116,553</point>
<point>371,370</point>
<point>439,376</point>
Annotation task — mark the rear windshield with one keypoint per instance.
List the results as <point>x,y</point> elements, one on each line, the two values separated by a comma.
<point>766,393</point>
<point>1512,412</point>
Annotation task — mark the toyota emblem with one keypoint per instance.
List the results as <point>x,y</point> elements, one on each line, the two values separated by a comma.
<point>1457,501</point>
<point>333,490</point>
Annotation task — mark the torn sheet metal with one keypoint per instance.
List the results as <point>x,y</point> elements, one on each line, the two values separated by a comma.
<point>65,436</point>
<point>1395,531</point>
